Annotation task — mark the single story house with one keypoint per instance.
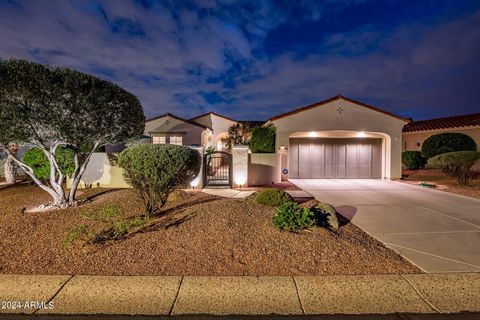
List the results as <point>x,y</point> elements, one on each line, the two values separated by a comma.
<point>416,132</point>
<point>334,138</point>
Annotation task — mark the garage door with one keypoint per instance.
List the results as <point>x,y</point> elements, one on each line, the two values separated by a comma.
<point>317,158</point>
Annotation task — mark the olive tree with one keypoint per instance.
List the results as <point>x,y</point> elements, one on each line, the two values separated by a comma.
<point>51,107</point>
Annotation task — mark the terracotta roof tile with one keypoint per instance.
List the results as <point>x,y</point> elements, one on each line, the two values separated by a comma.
<point>467,120</point>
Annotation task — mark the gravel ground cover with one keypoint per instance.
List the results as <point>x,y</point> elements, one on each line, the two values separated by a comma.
<point>202,235</point>
<point>436,176</point>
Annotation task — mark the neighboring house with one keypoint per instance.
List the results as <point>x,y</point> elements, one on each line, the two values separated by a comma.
<point>209,129</point>
<point>416,132</point>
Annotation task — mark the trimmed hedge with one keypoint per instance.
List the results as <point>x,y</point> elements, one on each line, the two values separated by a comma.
<point>263,140</point>
<point>413,160</point>
<point>272,197</point>
<point>37,160</point>
<point>457,164</point>
<point>447,142</point>
<point>156,170</point>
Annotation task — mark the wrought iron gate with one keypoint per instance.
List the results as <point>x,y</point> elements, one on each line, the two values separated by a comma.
<point>218,169</point>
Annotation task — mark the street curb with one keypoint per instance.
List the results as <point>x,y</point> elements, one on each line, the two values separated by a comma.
<point>241,295</point>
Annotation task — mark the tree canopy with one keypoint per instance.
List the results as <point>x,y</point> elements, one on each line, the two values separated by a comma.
<point>48,107</point>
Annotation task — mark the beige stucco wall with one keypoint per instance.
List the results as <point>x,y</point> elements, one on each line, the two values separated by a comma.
<point>353,118</point>
<point>410,139</point>
<point>191,133</point>
<point>218,125</point>
<point>101,174</point>
<point>261,168</point>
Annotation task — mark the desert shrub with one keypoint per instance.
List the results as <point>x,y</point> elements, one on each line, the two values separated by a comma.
<point>326,216</point>
<point>77,234</point>
<point>457,164</point>
<point>447,142</point>
<point>263,140</point>
<point>272,197</point>
<point>37,160</point>
<point>413,160</point>
<point>291,217</point>
<point>155,170</point>
<point>106,213</point>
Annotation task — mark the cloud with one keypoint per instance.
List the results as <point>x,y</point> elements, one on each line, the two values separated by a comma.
<point>192,57</point>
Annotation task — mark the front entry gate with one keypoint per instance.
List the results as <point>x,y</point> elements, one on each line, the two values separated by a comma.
<point>218,169</point>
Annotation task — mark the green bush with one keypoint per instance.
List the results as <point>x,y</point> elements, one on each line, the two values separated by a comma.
<point>37,160</point>
<point>457,164</point>
<point>263,140</point>
<point>413,160</point>
<point>155,170</point>
<point>272,197</point>
<point>447,142</point>
<point>291,217</point>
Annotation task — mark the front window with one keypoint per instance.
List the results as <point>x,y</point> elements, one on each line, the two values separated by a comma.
<point>158,139</point>
<point>176,140</point>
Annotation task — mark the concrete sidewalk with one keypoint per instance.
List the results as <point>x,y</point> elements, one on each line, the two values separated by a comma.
<point>249,295</point>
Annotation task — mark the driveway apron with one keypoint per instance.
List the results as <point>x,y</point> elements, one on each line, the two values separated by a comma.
<point>436,230</point>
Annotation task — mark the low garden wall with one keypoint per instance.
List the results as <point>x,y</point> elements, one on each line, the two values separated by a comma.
<point>261,168</point>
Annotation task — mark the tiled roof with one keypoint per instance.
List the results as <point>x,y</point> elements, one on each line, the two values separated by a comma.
<point>467,120</point>
<point>176,117</point>
<point>317,104</point>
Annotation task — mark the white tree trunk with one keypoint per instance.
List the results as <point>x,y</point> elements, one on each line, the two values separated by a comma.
<point>79,171</point>
<point>10,170</point>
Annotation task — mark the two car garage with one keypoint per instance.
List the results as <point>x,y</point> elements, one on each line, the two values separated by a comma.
<point>328,158</point>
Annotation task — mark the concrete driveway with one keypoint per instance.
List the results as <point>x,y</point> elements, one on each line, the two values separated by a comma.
<point>436,230</point>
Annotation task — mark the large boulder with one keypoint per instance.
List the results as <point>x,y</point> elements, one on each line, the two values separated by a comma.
<point>326,215</point>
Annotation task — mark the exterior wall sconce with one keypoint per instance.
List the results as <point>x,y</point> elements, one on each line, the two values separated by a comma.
<point>282,148</point>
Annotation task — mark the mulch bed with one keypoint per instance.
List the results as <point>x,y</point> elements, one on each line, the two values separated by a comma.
<point>209,236</point>
<point>448,184</point>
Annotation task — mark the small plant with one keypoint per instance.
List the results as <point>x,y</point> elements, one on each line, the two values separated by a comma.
<point>457,164</point>
<point>77,234</point>
<point>121,228</point>
<point>413,160</point>
<point>263,140</point>
<point>104,214</point>
<point>447,142</point>
<point>291,217</point>
<point>272,197</point>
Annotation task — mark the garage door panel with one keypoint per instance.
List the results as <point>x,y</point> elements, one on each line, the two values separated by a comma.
<point>304,158</point>
<point>329,159</point>
<point>351,160</point>
<point>335,158</point>
<point>340,160</point>
<point>364,160</point>
<point>293,159</point>
<point>317,158</point>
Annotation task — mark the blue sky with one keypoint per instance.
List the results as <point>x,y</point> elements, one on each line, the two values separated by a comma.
<point>256,59</point>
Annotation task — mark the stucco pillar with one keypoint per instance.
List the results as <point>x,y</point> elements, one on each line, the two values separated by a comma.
<point>240,166</point>
<point>197,183</point>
